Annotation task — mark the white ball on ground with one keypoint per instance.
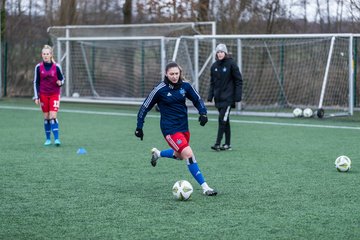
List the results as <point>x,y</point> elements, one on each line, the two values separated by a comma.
<point>343,163</point>
<point>297,112</point>
<point>75,95</point>
<point>308,112</point>
<point>182,190</point>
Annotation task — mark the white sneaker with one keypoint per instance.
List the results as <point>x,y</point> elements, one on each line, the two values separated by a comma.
<point>155,155</point>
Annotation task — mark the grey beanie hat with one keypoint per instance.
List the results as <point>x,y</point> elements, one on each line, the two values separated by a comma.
<point>221,47</point>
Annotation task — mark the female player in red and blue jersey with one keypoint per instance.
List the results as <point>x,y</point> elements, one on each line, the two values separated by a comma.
<point>47,82</point>
<point>170,95</point>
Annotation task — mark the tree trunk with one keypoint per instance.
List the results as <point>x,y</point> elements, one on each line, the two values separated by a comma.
<point>304,2</point>
<point>204,10</point>
<point>127,9</point>
<point>67,12</point>
<point>3,20</point>
<point>328,16</point>
<point>129,68</point>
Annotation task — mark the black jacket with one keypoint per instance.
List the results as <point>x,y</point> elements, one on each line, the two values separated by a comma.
<point>225,83</point>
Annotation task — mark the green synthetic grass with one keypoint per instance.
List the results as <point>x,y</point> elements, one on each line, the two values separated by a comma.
<point>279,182</point>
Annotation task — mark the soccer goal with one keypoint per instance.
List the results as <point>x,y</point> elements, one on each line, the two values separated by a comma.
<point>118,63</point>
<point>122,63</point>
<point>280,72</point>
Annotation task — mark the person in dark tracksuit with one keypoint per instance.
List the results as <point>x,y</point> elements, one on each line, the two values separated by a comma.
<point>226,90</point>
<point>170,95</point>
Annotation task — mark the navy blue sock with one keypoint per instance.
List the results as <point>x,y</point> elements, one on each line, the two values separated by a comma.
<point>55,127</point>
<point>47,128</point>
<point>168,153</point>
<point>194,170</point>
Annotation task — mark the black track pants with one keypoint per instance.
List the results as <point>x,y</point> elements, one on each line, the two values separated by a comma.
<point>224,125</point>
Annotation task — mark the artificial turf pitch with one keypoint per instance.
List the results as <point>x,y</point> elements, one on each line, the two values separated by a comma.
<point>278,182</point>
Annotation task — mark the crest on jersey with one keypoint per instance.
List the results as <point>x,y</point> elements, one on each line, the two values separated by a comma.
<point>182,92</point>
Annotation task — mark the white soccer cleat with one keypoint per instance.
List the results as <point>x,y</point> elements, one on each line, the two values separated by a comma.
<point>47,142</point>
<point>155,155</point>
<point>57,142</point>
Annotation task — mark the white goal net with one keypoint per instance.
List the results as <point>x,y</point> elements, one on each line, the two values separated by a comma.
<point>281,72</point>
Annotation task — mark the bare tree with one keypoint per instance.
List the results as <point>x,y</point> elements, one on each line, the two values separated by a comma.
<point>26,21</point>
<point>203,10</point>
<point>272,9</point>
<point>304,3</point>
<point>229,14</point>
<point>319,15</point>
<point>67,15</point>
<point>355,9</point>
<point>355,4</point>
<point>30,10</point>
<point>3,20</point>
<point>49,11</point>
<point>339,15</point>
<point>127,10</point>
<point>328,15</point>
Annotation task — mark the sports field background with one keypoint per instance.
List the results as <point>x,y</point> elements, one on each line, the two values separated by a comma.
<point>278,182</point>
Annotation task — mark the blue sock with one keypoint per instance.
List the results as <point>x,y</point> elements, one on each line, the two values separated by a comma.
<point>55,127</point>
<point>195,171</point>
<point>168,153</point>
<point>47,128</point>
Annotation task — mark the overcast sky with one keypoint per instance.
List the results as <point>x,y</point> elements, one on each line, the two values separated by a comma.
<point>312,8</point>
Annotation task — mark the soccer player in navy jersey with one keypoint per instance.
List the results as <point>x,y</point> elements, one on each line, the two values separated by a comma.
<point>170,95</point>
<point>47,82</point>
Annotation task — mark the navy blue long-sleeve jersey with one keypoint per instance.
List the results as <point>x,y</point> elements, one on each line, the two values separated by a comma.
<point>172,104</point>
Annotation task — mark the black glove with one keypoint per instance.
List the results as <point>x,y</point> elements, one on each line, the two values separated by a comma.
<point>139,133</point>
<point>233,105</point>
<point>203,120</point>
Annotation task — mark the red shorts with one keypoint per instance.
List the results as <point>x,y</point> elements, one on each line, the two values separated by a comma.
<point>50,103</point>
<point>178,141</point>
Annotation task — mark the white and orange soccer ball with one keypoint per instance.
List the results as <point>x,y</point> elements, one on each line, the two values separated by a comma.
<point>343,163</point>
<point>182,190</point>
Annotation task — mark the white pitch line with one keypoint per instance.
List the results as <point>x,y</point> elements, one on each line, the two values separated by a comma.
<point>190,118</point>
<point>298,125</point>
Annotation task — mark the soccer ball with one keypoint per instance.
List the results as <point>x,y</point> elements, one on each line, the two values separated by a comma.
<point>182,190</point>
<point>76,95</point>
<point>308,112</point>
<point>320,113</point>
<point>297,112</point>
<point>343,164</point>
